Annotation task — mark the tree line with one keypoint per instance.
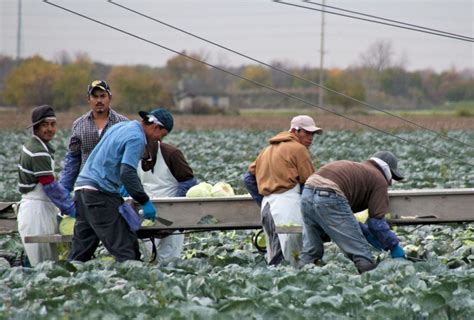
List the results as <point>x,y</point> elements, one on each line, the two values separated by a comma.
<point>35,80</point>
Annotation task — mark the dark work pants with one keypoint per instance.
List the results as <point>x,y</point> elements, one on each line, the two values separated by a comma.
<point>98,219</point>
<point>269,226</point>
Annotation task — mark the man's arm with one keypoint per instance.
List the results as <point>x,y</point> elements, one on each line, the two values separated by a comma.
<point>72,165</point>
<point>304,166</point>
<point>250,183</point>
<point>387,239</point>
<point>378,226</point>
<point>131,182</point>
<point>72,161</point>
<point>179,168</point>
<point>176,162</point>
<point>58,195</point>
<point>184,186</point>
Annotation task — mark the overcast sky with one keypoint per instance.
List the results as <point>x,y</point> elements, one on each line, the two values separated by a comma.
<point>262,29</point>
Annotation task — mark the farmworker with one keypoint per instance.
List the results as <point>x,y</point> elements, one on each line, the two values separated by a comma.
<point>275,181</point>
<point>88,129</point>
<point>41,193</point>
<point>111,164</point>
<point>164,172</point>
<point>338,189</point>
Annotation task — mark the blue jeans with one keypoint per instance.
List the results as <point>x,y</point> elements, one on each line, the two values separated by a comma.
<point>98,219</point>
<point>324,211</point>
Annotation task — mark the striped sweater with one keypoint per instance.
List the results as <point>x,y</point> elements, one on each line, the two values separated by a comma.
<point>36,160</point>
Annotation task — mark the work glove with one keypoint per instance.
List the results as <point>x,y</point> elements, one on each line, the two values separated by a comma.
<point>123,192</point>
<point>397,252</point>
<point>149,211</point>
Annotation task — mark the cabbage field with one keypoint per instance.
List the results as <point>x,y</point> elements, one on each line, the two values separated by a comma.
<point>222,276</point>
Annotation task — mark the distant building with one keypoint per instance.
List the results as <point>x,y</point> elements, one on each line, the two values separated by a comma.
<point>194,96</point>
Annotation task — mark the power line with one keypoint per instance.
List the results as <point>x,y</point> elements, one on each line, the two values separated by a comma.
<point>445,155</point>
<point>389,20</point>
<point>441,34</point>
<point>287,73</point>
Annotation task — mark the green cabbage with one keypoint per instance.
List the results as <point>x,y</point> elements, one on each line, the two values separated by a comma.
<point>66,226</point>
<point>201,190</point>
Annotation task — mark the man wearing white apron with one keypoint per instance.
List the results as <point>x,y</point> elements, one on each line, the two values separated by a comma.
<point>41,194</point>
<point>164,172</point>
<point>274,180</point>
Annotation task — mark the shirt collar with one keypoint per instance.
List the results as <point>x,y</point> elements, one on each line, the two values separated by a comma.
<point>111,114</point>
<point>47,146</point>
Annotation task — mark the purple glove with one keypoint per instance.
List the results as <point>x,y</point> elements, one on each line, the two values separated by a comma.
<point>60,197</point>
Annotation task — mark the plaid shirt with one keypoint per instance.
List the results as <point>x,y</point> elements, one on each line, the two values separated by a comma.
<point>85,135</point>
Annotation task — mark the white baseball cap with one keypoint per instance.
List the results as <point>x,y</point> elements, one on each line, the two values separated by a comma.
<point>305,122</point>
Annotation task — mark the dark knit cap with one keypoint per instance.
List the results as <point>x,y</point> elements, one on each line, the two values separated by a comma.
<point>40,113</point>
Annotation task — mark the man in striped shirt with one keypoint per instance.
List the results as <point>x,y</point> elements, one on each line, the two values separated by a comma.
<point>41,194</point>
<point>88,129</point>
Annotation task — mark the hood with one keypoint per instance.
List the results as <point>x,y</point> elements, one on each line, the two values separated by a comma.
<point>284,136</point>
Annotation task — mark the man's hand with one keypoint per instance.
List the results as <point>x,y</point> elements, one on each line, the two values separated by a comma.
<point>149,211</point>
<point>397,252</point>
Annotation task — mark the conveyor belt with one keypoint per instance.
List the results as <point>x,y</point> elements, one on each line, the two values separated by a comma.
<point>407,207</point>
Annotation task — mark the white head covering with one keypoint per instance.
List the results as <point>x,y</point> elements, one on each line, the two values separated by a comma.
<point>385,168</point>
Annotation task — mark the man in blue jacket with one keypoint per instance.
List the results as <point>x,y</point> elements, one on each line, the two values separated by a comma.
<point>114,163</point>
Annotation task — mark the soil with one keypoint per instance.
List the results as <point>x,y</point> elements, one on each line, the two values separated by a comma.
<point>16,119</point>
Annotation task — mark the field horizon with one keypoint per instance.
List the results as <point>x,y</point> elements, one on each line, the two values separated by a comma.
<point>19,118</point>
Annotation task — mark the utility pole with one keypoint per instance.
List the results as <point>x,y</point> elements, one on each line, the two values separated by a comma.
<point>18,34</point>
<point>321,58</point>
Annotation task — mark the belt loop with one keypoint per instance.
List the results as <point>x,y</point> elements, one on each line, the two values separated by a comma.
<point>312,189</point>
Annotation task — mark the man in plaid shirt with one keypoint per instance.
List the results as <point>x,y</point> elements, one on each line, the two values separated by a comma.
<point>88,129</point>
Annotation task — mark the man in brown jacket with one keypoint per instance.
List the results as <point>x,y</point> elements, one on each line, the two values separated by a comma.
<point>334,193</point>
<point>274,180</point>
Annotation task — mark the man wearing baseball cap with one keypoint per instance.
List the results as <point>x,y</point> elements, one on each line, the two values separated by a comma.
<point>111,164</point>
<point>334,193</point>
<point>88,129</point>
<point>164,172</point>
<point>274,180</point>
<point>40,193</point>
